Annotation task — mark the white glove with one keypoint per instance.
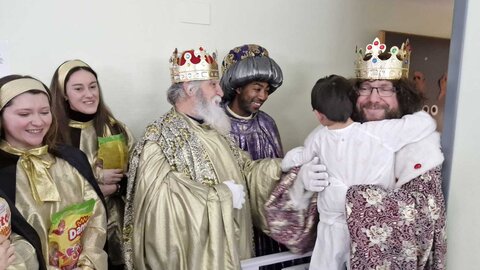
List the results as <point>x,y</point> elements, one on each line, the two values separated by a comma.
<point>238,194</point>
<point>293,158</point>
<point>314,176</point>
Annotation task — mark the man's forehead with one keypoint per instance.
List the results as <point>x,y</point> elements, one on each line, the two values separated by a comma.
<point>259,83</point>
<point>206,82</point>
<point>377,83</point>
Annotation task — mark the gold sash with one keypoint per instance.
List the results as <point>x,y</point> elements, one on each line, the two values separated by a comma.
<point>36,163</point>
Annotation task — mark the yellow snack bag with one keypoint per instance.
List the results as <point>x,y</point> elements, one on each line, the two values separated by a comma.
<point>64,238</point>
<point>113,152</point>
<point>5,215</point>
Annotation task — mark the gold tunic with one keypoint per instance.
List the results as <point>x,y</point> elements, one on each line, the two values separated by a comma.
<point>25,255</point>
<point>182,223</point>
<point>115,204</point>
<point>73,189</point>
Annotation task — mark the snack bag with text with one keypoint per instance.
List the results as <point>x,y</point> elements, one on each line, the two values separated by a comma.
<point>5,215</point>
<point>64,238</point>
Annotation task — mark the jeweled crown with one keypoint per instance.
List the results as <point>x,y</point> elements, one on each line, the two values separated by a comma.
<point>193,65</point>
<point>376,64</point>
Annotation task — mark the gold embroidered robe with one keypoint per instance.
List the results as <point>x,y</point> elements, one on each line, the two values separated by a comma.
<point>174,221</point>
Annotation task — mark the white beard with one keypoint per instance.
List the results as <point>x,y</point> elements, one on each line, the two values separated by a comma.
<point>212,113</point>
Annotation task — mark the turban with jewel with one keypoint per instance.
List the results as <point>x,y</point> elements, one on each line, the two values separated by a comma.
<point>248,63</point>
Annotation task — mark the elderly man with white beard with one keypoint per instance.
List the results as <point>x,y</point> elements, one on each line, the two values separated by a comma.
<point>193,195</point>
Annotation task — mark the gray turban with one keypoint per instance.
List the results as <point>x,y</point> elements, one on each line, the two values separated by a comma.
<point>245,64</point>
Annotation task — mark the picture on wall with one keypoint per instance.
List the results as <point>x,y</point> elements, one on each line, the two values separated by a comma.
<point>428,68</point>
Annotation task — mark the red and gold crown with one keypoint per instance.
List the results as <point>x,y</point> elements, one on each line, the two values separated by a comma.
<point>193,65</point>
<point>376,64</point>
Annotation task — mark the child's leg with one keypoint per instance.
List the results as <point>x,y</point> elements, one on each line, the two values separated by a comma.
<point>332,247</point>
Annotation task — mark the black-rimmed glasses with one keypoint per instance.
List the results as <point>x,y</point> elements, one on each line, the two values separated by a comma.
<point>383,91</point>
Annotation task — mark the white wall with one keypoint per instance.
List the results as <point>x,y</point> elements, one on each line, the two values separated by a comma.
<point>129,42</point>
<point>463,205</point>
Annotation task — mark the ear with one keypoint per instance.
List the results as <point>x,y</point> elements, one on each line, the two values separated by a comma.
<point>188,90</point>
<point>320,116</point>
<point>238,90</point>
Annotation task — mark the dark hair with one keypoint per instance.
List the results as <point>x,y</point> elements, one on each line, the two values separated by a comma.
<point>409,99</point>
<point>102,117</point>
<point>330,96</point>
<point>50,138</point>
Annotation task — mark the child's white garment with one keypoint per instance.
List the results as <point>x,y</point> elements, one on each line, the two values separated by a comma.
<point>355,155</point>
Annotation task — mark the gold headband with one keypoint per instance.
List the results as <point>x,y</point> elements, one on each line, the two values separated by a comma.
<point>65,68</point>
<point>16,87</point>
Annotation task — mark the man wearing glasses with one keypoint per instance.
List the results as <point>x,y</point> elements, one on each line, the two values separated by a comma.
<point>341,145</point>
<point>404,227</point>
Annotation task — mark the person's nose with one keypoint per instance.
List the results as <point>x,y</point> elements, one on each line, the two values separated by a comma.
<point>89,93</point>
<point>219,90</point>
<point>36,119</point>
<point>374,96</point>
<point>263,95</point>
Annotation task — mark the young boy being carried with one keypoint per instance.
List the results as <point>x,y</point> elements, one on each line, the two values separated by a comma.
<point>354,153</point>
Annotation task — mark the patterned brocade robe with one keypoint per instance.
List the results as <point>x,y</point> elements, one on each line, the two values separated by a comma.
<point>178,214</point>
<point>404,228</point>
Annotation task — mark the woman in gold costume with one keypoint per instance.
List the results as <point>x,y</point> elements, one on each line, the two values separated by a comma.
<point>86,122</point>
<point>41,177</point>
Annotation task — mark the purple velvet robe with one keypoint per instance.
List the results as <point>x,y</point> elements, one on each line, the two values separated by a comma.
<point>258,136</point>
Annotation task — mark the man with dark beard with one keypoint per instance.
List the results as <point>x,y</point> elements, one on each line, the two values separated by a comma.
<point>402,228</point>
<point>249,77</point>
<point>187,206</point>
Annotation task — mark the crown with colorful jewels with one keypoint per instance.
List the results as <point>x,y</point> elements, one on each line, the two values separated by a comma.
<point>376,64</point>
<point>193,65</point>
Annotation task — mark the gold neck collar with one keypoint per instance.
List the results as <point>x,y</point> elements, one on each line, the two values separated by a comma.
<point>80,125</point>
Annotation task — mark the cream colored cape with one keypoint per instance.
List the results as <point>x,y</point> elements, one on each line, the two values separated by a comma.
<point>115,204</point>
<point>73,189</point>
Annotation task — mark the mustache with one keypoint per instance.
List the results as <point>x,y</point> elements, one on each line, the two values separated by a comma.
<point>375,106</point>
<point>216,100</point>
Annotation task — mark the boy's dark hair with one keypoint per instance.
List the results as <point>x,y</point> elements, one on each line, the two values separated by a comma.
<point>330,96</point>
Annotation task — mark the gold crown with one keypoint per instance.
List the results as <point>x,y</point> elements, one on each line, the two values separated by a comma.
<point>377,64</point>
<point>193,65</point>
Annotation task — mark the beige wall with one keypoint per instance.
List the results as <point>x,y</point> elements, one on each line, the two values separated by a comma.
<point>129,43</point>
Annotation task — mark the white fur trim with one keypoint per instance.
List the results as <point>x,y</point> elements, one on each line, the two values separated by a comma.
<point>417,158</point>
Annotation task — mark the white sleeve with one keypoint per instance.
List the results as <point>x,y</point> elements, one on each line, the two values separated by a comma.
<point>311,144</point>
<point>397,133</point>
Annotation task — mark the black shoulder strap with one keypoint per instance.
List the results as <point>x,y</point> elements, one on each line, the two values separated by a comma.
<point>8,174</point>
